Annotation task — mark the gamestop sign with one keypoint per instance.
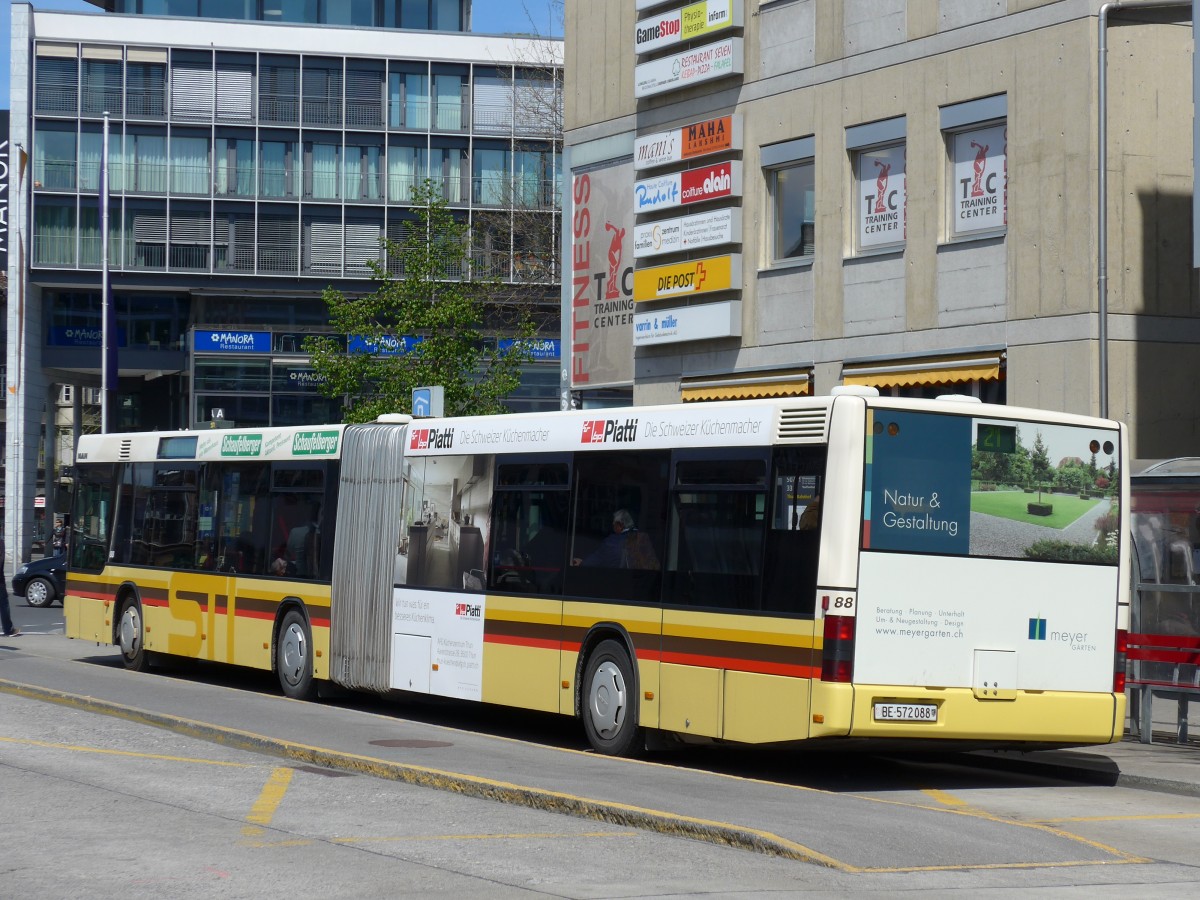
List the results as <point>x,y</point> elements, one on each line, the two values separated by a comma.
<point>683,188</point>
<point>682,70</point>
<point>692,21</point>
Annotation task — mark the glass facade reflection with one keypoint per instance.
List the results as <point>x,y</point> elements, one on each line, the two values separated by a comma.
<point>440,15</point>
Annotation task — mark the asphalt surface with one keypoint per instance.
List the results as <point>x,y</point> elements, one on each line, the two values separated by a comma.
<point>676,800</point>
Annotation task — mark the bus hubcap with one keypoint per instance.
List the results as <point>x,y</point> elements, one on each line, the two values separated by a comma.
<point>607,700</point>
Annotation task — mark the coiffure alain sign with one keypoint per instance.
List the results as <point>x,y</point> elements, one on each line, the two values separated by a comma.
<point>713,182</point>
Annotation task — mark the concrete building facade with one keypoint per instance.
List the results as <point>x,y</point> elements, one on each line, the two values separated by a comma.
<point>908,200</point>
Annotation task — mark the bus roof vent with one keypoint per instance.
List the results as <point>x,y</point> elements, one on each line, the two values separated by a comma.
<point>803,426</point>
<point>959,398</point>
<point>394,419</point>
<point>126,449</point>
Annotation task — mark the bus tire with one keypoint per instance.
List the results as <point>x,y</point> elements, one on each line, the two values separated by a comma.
<point>131,635</point>
<point>294,657</point>
<point>610,709</point>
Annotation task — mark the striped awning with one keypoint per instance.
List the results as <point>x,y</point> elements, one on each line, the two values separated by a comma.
<point>748,387</point>
<point>927,371</point>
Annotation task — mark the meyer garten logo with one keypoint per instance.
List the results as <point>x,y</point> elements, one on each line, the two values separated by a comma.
<point>308,443</point>
<point>241,444</point>
<point>1077,639</point>
<point>604,431</point>
<point>432,439</point>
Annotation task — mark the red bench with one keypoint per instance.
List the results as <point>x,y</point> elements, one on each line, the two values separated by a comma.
<point>1162,665</point>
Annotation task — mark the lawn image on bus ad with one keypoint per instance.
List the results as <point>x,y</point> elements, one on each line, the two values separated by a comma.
<point>963,486</point>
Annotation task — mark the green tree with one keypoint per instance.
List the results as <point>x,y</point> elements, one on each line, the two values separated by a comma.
<point>434,298</point>
<point>1039,460</point>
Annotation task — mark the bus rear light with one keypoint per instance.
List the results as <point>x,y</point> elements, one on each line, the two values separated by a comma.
<point>839,628</point>
<point>840,671</point>
<point>837,658</point>
<point>1120,660</point>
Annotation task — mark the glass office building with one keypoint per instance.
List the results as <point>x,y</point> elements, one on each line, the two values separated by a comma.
<point>258,152</point>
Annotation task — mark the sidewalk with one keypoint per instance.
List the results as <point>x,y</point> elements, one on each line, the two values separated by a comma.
<point>1163,765</point>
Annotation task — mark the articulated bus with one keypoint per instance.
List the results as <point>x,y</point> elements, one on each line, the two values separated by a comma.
<point>760,572</point>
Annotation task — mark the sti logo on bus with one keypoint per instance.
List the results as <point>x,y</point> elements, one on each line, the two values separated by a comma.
<point>432,439</point>
<point>241,444</point>
<point>468,610</point>
<point>604,431</point>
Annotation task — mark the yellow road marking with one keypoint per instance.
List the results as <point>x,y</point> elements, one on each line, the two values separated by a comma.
<point>268,801</point>
<point>106,752</point>
<point>943,797</point>
<point>1145,818</point>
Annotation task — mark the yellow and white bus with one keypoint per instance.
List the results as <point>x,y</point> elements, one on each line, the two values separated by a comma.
<point>758,572</point>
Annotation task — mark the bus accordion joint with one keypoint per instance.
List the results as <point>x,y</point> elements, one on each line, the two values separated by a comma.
<point>837,660</point>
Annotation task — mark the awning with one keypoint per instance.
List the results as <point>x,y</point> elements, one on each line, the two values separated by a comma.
<point>768,384</point>
<point>930,371</point>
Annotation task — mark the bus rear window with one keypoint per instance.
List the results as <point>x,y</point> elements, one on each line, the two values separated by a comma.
<point>957,485</point>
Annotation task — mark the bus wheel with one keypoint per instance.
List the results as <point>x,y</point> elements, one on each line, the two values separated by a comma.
<point>293,657</point>
<point>131,635</point>
<point>610,707</point>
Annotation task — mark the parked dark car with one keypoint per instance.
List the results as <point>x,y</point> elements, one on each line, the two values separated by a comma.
<point>41,581</point>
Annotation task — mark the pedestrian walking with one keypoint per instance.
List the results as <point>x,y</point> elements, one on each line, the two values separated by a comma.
<point>10,630</point>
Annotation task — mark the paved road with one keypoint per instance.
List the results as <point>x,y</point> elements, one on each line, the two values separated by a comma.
<point>431,808</point>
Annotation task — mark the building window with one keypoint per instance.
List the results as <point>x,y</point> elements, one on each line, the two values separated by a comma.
<point>790,175</point>
<point>279,91</point>
<point>792,206</point>
<point>364,96</point>
<point>56,87</point>
<point>363,172</point>
<point>193,86</point>
<point>54,159</point>
<point>877,153</point>
<point>101,87</point>
<point>280,169</point>
<point>290,10</point>
<point>407,167</point>
<point>881,197</point>
<point>322,93</point>
<point>449,91</point>
<point>189,164</point>
<point>491,182</point>
<point>233,167</point>
<point>54,235</point>
<point>321,170</point>
<point>976,134</point>
<point>146,90</point>
<point>408,100</point>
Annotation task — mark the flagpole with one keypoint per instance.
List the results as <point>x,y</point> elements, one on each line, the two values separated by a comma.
<point>104,301</point>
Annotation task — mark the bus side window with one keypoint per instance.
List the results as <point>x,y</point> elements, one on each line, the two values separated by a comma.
<point>530,527</point>
<point>794,538</point>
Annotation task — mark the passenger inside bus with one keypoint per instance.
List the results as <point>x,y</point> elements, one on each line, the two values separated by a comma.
<point>624,548</point>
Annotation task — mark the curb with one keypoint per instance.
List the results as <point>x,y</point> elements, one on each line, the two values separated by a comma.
<point>1103,771</point>
<point>720,833</point>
